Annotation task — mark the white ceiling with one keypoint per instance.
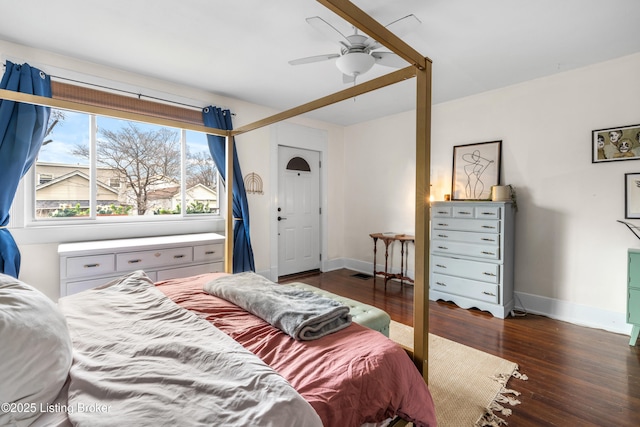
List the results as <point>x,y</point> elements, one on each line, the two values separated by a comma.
<point>241,48</point>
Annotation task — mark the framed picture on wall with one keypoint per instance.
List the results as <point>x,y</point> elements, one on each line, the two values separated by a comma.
<point>476,167</point>
<point>613,144</point>
<point>632,195</point>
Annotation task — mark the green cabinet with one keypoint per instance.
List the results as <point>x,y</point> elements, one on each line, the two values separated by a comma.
<point>633,294</point>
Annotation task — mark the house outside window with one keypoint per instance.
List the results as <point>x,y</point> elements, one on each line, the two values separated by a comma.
<point>99,168</point>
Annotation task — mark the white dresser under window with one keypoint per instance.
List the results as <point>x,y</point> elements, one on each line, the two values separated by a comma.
<point>85,265</point>
<point>472,248</point>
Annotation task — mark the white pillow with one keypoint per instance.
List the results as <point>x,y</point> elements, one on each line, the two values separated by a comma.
<point>35,351</point>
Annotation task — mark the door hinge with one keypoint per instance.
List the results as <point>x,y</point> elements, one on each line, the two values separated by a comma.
<point>320,257</point>
<point>319,163</point>
<point>320,211</point>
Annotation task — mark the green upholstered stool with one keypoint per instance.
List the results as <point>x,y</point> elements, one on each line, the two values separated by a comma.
<point>363,314</point>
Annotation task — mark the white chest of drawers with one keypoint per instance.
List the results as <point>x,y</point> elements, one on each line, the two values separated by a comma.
<point>471,260</point>
<point>85,265</point>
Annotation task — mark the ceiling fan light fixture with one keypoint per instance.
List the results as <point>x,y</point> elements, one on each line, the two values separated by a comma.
<point>355,63</point>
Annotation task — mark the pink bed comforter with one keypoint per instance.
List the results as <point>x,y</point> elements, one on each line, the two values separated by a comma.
<point>350,377</point>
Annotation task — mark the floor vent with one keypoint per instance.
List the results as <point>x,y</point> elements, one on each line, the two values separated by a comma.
<point>361,276</point>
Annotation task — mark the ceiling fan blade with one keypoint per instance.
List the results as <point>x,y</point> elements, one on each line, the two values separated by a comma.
<point>328,30</point>
<point>389,59</point>
<point>399,27</point>
<point>317,58</point>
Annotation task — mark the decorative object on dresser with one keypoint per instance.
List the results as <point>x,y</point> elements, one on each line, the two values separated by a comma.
<point>86,265</point>
<point>476,168</point>
<point>388,238</point>
<point>633,294</point>
<point>472,253</point>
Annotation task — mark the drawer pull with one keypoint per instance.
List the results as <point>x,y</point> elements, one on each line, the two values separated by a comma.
<point>443,224</point>
<point>488,213</point>
<point>444,236</point>
<point>487,239</point>
<point>178,256</point>
<point>441,284</point>
<point>488,274</point>
<point>464,213</point>
<point>210,252</point>
<point>443,247</point>
<point>441,266</point>
<point>491,294</point>
<point>134,261</point>
<point>91,265</point>
<point>488,253</point>
<point>489,226</point>
<point>443,212</point>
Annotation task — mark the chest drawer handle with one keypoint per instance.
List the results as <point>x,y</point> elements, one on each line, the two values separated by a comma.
<point>488,213</point>
<point>134,261</point>
<point>464,213</point>
<point>210,252</point>
<point>486,239</point>
<point>441,224</point>
<point>91,265</point>
<point>441,284</point>
<point>491,294</point>
<point>444,236</point>
<point>488,274</point>
<point>178,256</point>
<point>441,266</point>
<point>488,253</point>
<point>443,247</point>
<point>489,226</point>
<point>443,212</point>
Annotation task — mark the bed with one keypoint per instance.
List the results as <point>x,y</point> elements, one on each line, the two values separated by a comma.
<point>171,354</point>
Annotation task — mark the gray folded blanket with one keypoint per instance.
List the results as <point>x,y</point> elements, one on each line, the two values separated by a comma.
<point>301,314</point>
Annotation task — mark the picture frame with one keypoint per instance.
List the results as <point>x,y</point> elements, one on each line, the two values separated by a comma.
<point>632,195</point>
<point>616,143</point>
<point>476,168</point>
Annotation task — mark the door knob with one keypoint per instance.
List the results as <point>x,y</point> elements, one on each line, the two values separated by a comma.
<point>281,218</point>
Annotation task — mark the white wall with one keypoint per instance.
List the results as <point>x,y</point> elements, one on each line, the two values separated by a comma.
<point>570,252</point>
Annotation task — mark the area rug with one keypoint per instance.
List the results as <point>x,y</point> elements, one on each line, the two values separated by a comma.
<point>467,385</point>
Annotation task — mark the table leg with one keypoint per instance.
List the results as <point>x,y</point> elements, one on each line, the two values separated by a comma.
<point>402,264</point>
<point>386,263</point>
<point>375,241</point>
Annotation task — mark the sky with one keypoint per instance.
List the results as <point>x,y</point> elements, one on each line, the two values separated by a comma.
<point>74,130</point>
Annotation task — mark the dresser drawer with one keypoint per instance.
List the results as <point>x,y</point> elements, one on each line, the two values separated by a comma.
<point>212,252</point>
<point>465,236</point>
<point>467,249</point>
<point>464,212</point>
<point>483,271</point>
<point>478,225</point>
<point>141,260</point>
<point>441,212</point>
<point>468,288</point>
<point>191,270</point>
<point>488,212</point>
<point>90,265</point>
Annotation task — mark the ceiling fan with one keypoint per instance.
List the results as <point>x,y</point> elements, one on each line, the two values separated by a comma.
<point>357,51</point>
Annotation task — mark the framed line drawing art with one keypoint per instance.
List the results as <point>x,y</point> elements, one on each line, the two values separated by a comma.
<point>612,144</point>
<point>476,167</point>
<point>632,195</point>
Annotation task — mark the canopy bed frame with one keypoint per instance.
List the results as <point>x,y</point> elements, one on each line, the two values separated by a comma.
<point>420,68</point>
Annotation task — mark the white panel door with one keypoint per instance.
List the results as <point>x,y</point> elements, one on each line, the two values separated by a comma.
<point>298,210</point>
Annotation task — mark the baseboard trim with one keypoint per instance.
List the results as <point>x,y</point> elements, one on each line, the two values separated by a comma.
<point>566,311</point>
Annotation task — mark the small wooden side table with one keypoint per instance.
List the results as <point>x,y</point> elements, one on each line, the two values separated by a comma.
<point>404,240</point>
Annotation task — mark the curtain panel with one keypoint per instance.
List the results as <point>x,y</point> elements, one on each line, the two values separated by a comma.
<point>22,130</point>
<point>242,251</point>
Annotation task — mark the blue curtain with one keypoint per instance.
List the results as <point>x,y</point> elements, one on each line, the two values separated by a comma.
<point>242,253</point>
<point>22,130</point>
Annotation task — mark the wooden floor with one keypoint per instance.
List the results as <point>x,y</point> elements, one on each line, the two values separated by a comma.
<point>577,376</point>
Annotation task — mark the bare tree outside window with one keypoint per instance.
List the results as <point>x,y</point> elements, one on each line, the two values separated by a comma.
<point>147,160</point>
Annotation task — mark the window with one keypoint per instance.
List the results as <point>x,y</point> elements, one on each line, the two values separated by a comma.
<point>99,168</point>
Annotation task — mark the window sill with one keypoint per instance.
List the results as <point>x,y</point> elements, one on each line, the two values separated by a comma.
<point>36,233</point>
